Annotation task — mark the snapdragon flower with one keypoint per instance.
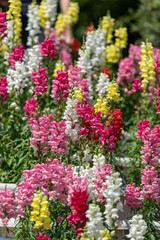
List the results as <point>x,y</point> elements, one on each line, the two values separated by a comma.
<point>95,222</point>
<point>102,85</point>
<point>112,195</point>
<point>138,228</point>
<point>33,26</point>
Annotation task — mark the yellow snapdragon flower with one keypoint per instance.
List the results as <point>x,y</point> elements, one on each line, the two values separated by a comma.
<point>70,17</point>
<point>113,53</point>
<point>14,14</point>
<point>105,234</point>
<point>61,23</point>
<point>73,13</point>
<point>113,94</point>
<point>40,214</point>
<point>58,67</point>
<point>101,106</point>
<point>147,65</point>
<point>78,94</point>
<point>42,15</point>
<point>121,37</point>
<point>107,24</point>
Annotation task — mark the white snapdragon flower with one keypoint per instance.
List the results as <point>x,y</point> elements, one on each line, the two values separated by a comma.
<point>17,78</point>
<point>50,12</point>
<point>85,64</point>
<point>70,115</point>
<point>33,25</point>
<point>33,59</point>
<point>95,222</point>
<point>112,195</point>
<point>8,40</point>
<point>96,47</point>
<point>99,160</point>
<point>102,84</point>
<point>138,228</point>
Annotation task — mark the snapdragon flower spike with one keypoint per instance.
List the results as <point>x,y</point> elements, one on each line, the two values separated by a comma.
<point>112,132</point>
<point>113,201</point>
<point>74,76</point>
<point>7,206</point>
<point>30,107</point>
<point>3,89</point>
<point>40,81</point>
<point>100,181</point>
<point>48,49</point>
<point>126,72</point>
<point>58,138</point>
<point>91,125</point>
<point>137,85</point>
<point>158,101</point>
<point>48,135</point>
<point>16,55</point>
<point>3,25</point>
<point>141,126</point>
<point>151,184</point>
<point>132,196</point>
<point>66,58</point>
<point>78,202</point>
<point>138,228</point>
<point>75,80</point>
<point>151,143</point>
<point>95,221</point>
<point>60,87</point>
<point>40,131</point>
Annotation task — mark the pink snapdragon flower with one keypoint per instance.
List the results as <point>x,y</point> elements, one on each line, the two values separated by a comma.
<point>100,181</point>
<point>141,126</point>
<point>158,101</point>
<point>136,85</point>
<point>48,135</point>
<point>42,237</point>
<point>48,49</point>
<point>30,107</point>
<point>74,76</point>
<point>40,131</point>
<point>53,178</point>
<point>132,196</point>
<point>135,56</point>
<point>126,72</point>
<point>3,25</point>
<point>3,89</point>
<point>151,143</point>
<point>16,55</point>
<point>60,87</point>
<point>7,206</point>
<point>66,58</point>
<point>151,184</point>
<point>58,138</point>
<point>40,81</point>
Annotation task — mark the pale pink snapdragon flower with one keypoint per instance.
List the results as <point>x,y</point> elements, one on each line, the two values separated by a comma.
<point>60,87</point>
<point>7,206</point>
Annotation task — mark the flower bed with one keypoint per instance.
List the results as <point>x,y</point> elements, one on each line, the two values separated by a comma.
<point>71,117</point>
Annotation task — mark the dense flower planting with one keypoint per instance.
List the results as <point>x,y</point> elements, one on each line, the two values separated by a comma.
<point>69,114</point>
